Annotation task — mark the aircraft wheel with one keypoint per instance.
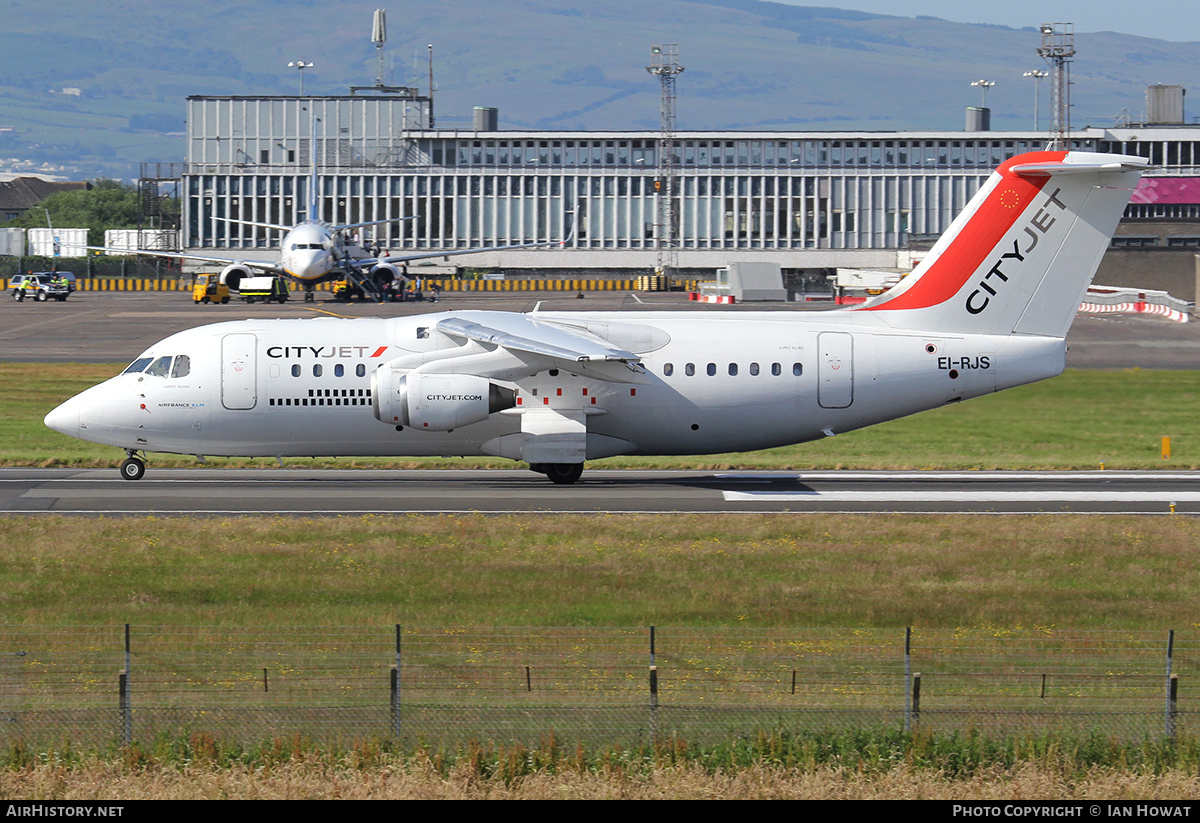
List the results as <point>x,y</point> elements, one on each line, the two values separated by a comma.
<point>563,474</point>
<point>133,469</point>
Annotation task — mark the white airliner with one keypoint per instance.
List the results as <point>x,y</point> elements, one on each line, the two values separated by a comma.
<point>988,309</point>
<point>314,251</point>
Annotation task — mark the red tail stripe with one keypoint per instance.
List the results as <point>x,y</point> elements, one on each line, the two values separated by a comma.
<point>977,240</point>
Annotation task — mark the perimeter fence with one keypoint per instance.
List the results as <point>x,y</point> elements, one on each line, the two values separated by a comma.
<point>629,686</point>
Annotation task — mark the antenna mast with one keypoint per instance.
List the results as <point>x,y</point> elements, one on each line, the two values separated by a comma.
<point>664,62</point>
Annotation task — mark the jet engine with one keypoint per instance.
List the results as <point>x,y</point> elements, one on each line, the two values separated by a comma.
<point>232,275</point>
<point>383,274</point>
<point>436,402</point>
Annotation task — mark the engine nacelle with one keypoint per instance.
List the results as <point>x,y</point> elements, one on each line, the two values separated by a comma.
<point>436,402</point>
<point>232,275</point>
<point>385,273</point>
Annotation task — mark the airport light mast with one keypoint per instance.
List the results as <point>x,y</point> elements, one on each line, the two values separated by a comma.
<point>301,65</point>
<point>664,63</point>
<point>1057,49</point>
<point>1037,75</point>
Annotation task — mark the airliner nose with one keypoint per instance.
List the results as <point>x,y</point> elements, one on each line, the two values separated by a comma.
<point>65,418</point>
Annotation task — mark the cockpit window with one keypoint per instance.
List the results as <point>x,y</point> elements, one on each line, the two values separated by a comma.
<point>160,367</point>
<point>182,366</point>
<point>138,365</point>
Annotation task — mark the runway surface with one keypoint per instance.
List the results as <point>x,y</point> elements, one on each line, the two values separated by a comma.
<point>340,492</point>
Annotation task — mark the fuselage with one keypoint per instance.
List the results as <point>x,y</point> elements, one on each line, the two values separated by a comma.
<point>310,252</point>
<point>713,383</point>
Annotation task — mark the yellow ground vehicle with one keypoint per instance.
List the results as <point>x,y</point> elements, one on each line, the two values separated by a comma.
<point>208,288</point>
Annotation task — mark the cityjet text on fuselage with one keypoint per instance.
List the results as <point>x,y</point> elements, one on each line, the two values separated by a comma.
<point>979,299</point>
<point>300,352</point>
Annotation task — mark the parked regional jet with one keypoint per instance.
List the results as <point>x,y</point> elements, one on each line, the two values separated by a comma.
<point>988,309</point>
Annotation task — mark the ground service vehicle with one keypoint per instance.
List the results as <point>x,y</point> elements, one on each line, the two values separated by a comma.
<point>39,286</point>
<point>208,288</point>
<point>265,289</point>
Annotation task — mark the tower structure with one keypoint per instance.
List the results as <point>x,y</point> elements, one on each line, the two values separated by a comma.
<point>1057,49</point>
<point>664,63</point>
<point>379,37</point>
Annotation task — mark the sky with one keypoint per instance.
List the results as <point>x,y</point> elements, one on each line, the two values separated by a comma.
<point>1177,20</point>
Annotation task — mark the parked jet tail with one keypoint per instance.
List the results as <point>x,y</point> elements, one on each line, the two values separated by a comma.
<point>1019,257</point>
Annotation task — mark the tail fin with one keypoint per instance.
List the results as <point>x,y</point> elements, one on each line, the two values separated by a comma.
<point>1022,253</point>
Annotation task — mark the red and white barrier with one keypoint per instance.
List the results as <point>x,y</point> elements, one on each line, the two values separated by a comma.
<point>1135,307</point>
<point>1115,300</point>
<point>710,298</point>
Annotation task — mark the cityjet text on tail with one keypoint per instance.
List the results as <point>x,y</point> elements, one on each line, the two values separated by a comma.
<point>987,309</point>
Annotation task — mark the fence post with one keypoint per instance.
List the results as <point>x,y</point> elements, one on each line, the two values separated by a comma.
<point>126,702</point>
<point>395,687</point>
<point>916,698</point>
<point>653,691</point>
<point>908,679</point>
<point>123,705</point>
<point>1171,684</point>
<point>1172,704</point>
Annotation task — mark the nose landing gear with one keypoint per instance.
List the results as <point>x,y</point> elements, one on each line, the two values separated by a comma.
<point>133,468</point>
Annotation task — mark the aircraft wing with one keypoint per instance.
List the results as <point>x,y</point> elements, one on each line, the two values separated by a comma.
<point>573,350</point>
<point>274,268</point>
<point>404,258</point>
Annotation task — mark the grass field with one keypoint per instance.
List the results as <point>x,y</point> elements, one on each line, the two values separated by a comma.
<point>746,571</point>
<point>1077,421</point>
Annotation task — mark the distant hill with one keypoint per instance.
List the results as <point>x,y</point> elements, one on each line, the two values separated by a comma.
<point>95,90</point>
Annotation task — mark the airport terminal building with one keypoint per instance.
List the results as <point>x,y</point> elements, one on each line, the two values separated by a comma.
<point>807,200</point>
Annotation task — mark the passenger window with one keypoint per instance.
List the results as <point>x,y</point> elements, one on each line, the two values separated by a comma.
<point>160,367</point>
<point>360,370</point>
<point>668,369</point>
<point>182,366</point>
<point>732,369</point>
<point>339,370</point>
<point>754,369</point>
<point>296,370</point>
<point>776,369</point>
<point>689,369</point>
<point>712,369</point>
<point>797,369</point>
<point>317,370</point>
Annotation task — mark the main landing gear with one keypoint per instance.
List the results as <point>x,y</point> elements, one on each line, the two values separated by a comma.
<point>561,474</point>
<point>133,468</point>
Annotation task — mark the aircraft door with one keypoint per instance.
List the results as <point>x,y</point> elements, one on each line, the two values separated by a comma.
<point>239,374</point>
<point>835,370</point>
